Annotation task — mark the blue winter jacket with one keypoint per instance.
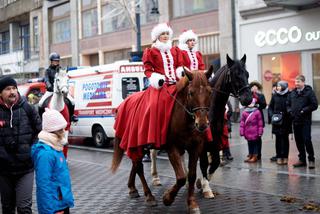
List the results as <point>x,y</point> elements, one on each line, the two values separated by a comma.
<point>52,178</point>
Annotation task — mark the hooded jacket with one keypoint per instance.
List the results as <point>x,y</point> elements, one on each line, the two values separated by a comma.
<point>18,132</point>
<point>52,178</point>
<point>302,104</point>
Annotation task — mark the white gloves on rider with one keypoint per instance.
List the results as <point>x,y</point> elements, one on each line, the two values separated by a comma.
<point>180,72</point>
<point>155,78</point>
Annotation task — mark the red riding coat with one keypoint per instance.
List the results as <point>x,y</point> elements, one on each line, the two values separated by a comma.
<point>143,118</point>
<point>193,60</point>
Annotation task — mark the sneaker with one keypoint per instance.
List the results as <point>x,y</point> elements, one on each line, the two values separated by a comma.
<point>300,164</point>
<point>311,165</point>
<point>146,158</point>
<point>273,159</point>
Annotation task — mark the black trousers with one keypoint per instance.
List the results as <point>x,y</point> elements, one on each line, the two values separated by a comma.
<point>282,145</point>
<point>302,135</point>
<point>16,192</point>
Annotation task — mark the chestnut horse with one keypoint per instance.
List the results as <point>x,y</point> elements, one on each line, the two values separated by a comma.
<point>186,131</point>
<point>231,79</point>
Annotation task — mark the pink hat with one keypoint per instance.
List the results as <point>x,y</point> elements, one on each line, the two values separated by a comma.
<point>53,121</point>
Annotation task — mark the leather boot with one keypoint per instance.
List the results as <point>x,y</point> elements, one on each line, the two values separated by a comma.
<point>248,158</point>
<point>253,159</point>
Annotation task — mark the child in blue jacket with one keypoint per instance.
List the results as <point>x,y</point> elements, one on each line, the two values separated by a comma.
<point>54,194</point>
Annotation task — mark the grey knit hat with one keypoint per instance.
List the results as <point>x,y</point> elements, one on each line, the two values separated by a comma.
<point>283,84</point>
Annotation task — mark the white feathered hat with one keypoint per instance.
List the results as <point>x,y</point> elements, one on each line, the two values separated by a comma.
<point>159,29</point>
<point>184,37</point>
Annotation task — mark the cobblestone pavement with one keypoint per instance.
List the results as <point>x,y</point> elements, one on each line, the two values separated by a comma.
<point>240,187</point>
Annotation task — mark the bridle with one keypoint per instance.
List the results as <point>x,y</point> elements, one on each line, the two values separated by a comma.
<point>227,80</point>
<point>190,112</point>
<point>57,79</point>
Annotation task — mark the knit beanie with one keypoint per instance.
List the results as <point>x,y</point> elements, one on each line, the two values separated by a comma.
<point>53,121</point>
<point>283,85</point>
<point>7,81</point>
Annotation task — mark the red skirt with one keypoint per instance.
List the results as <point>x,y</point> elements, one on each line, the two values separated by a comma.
<point>143,118</point>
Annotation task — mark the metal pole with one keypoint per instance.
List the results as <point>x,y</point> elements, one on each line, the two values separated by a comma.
<point>138,28</point>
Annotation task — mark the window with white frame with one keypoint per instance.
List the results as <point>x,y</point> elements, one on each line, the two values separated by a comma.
<point>188,7</point>
<point>60,24</point>
<point>25,41</point>
<point>114,17</point>
<point>4,42</point>
<point>35,34</point>
<point>89,23</point>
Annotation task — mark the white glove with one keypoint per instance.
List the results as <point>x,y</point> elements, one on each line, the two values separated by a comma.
<point>180,72</point>
<point>155,78</point>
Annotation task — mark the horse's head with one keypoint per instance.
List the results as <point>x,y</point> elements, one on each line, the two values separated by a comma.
<point>198,94</point>
<point>237,76</point>
<point>61,82</point>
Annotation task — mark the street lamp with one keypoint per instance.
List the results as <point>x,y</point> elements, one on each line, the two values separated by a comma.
<point>137,55</point>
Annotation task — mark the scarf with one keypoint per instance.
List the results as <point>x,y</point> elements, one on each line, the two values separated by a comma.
<point>163,46</point>
<point>282,92</point>
<point>52,140</point>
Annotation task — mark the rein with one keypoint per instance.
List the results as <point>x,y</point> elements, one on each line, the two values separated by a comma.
<point>191,113</point>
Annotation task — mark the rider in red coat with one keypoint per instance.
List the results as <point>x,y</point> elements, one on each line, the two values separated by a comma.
<point>192,58</point>
<point>143,118</point>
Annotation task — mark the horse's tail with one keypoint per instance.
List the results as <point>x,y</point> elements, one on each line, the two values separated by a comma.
<point>117,155</point>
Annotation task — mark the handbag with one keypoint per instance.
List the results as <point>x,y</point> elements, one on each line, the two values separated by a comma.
<point>276,119</point>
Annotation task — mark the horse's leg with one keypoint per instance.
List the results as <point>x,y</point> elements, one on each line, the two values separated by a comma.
<point>149,198</point>
<point>214,151</point>
<point>175,160</point>
<point>192,175</point>
<point>203,183</point>
<point>133,192</point>
<point>154,172</point>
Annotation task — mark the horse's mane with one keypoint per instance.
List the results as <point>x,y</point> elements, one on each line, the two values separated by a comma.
<point>199,79</point>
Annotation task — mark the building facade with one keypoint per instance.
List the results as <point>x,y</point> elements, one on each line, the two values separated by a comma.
<point>281,41</point>
<point>96,32</point>
<point>20,32</point>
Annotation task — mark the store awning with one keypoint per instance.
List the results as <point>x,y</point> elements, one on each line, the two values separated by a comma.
<point>293,4</point>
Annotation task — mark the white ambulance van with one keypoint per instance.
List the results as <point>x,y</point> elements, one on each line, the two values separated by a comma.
<point>97,92</point>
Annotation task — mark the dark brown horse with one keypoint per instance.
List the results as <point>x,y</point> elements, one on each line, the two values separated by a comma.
<point>231,79</point>
<point>185,133</point>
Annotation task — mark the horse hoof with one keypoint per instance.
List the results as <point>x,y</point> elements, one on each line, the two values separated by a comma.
<point>198,183</point>
<point>208,195</point>
<point>167,199</point>
<point>156,182</point>
<point>194,210</point>
<point>151,202</point>
<point>134,194</point>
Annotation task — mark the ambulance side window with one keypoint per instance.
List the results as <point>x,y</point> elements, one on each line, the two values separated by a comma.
<point>129,86</point>
<point>146,83</point>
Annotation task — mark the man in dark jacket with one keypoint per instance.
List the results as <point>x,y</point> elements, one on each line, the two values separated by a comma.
<point>19,126</point>
<point>301,103</point>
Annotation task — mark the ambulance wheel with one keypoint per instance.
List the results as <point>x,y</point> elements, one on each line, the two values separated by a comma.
<point>99,137</point>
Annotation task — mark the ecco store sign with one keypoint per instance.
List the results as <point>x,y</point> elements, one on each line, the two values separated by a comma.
<point>283,36</point>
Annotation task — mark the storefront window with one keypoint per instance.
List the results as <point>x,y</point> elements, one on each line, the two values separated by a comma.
<point>316,73</point>
<point>188,7</point>
<point>276,67</point>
